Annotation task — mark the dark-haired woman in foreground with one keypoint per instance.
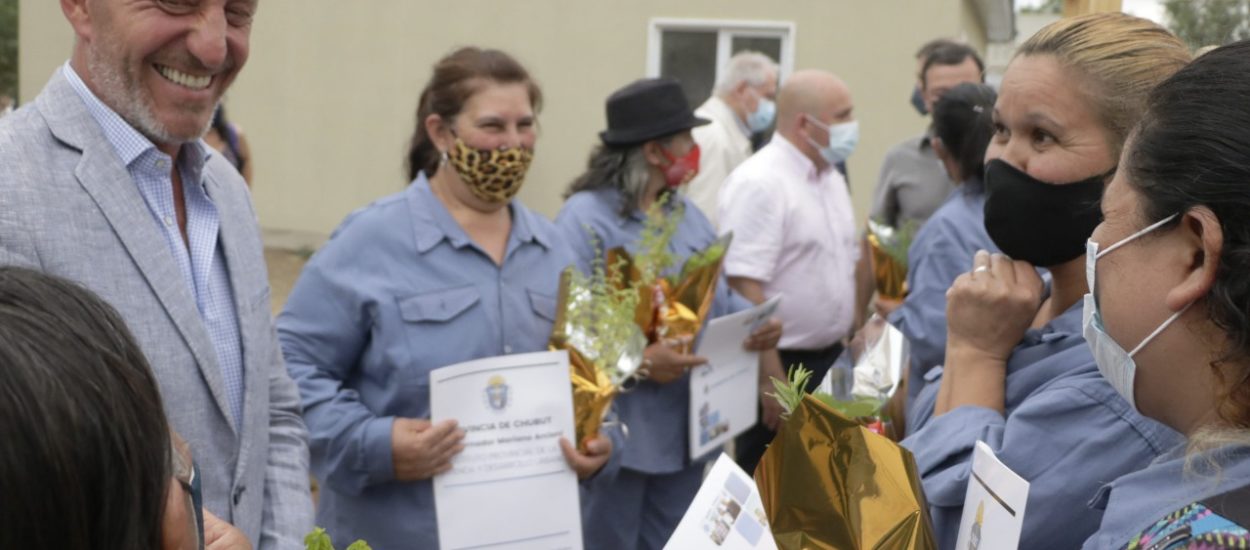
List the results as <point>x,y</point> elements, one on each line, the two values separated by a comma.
<point>1168,317</point>
<point>88,460</point>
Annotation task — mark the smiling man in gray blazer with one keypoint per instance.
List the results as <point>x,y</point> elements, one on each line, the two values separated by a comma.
<point>104,180</point>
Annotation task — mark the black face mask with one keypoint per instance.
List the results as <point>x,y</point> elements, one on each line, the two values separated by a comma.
<point>1041,223</point>
<point>917,101</point>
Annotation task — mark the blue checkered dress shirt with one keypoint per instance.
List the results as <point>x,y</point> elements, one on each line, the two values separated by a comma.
<point>200,259</point>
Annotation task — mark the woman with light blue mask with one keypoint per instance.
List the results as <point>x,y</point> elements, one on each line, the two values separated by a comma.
<point>1168,316</point>
<point>1017,372</point>
<point>741,108</point>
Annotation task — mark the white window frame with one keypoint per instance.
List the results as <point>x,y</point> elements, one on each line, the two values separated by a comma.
<point>726,30</point>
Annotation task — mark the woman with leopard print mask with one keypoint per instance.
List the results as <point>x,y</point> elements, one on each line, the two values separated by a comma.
<point>647,153</point>
<point>451,269</point>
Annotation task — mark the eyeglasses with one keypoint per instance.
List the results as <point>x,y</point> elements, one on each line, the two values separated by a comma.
<point>187,474</point>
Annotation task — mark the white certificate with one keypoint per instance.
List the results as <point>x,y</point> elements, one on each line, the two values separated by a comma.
<point>511,487</point>
<point>725,514</point>
<point>994,505</point>
<point>724,393</point>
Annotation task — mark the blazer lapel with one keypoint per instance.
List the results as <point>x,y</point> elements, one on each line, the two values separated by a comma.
<point>103,177</point>
<point>234,235</point>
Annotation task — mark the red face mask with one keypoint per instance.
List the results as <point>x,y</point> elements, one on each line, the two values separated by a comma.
<point>681,170</point>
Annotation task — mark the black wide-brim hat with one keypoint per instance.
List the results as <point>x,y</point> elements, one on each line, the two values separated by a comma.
<point>647,109</point>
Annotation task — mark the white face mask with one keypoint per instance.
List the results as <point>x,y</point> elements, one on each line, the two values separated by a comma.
<point>1115,364</point>
<point>842,140</point>
<point>762,118</point>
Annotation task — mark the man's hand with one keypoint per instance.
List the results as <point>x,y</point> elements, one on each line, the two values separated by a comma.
<point>421,450</point>
<point>772,409</point>
<point>770,369</point>
<point>765,337</point>
<point>598,451</point>
<point>220,535</point>
<point>663,364</point>
<point>883,307</point>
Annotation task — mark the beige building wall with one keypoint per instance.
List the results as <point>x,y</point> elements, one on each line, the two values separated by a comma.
<point>329,94</point>
<point>972,26</point>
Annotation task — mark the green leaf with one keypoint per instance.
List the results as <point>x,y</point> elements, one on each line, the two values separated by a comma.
<point>860,408</point>
<point>790,393</point>
<point>702,259</point>
<point>318,540</point>
<point>652,256</point>
<point>359,545</point>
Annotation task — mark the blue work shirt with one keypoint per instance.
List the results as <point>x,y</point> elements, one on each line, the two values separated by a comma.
<point>656,415</point>
<point>1135,502</point>
<point>1065,430</point>
<point>400,290</point>
<point>940,253</point>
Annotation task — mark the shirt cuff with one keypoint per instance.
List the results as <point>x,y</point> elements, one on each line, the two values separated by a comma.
<point>748,270</point>
<point>376,457</point>
<point>947,441</point>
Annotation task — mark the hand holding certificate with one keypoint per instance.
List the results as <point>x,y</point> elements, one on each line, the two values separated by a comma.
<point>719,389</point>
<point>514,410</point>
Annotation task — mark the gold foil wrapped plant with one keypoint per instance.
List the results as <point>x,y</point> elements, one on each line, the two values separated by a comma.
<point>595,324</point>
<point>827,482</point>
<point>671,307</point>
<point>605,320</point>
<point>888,246</point>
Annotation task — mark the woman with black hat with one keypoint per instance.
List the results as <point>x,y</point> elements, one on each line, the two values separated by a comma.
<point>646,154</point>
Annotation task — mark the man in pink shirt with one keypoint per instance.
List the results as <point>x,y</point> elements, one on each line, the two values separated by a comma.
<point>794,231</point>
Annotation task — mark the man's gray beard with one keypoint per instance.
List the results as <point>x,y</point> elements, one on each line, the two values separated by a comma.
<point>129,101</point>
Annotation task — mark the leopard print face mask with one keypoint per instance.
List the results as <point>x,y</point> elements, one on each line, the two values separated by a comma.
<point>492,175</point>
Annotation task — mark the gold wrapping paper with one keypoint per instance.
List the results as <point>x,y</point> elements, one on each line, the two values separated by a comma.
<point>604,346</point>
<point>593,393</point>
<point>889,275</point>
<point>672,310</point>
<point>828,483</point>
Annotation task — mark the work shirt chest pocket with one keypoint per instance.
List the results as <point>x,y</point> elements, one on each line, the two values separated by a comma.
<point>440,328</point>
<point>538,327</point>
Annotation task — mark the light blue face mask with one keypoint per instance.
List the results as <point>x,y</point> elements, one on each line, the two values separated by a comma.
<point>842,140</point>
<point>1115,364</point>
<point>762,118</point>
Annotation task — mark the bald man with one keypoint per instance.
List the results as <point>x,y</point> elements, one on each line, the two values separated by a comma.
<point>794,232</point>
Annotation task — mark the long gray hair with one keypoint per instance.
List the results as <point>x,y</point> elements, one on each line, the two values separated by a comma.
<point>623,168</point>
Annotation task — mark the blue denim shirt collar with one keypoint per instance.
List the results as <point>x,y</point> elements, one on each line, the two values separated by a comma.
<point>434,225</point>
<point>128,142</point>
<point>1132,503</point>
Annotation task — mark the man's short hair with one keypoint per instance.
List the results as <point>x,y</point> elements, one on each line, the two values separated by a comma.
<point>747,66</point>
<point>928,47</point>
<point>950,53</point>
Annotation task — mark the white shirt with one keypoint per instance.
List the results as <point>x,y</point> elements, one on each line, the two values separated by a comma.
<point>723,145</point>
<point>794,231</point>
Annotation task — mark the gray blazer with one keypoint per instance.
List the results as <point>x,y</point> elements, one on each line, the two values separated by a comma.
<point>69,208</point>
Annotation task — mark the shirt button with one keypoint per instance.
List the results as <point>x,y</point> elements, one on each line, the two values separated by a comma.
<point>169,220</point>
<point>507,348</point>
<point>162,163</point>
